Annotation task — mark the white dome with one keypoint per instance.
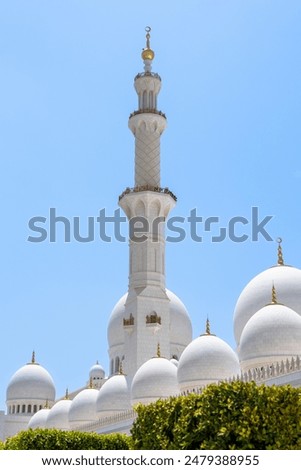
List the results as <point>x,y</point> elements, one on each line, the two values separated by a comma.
<point>207,359</point>
<point>180,324</point>
<point>115,326</point>
<point>97,372</point>
<point>273,334</point>
<point>83,408</point>
<point>114,396</point>
<point>257,294</point>
<point>156,378</point>
<point>58,417</point>
<point>38,420</point>
<point>31,382</point>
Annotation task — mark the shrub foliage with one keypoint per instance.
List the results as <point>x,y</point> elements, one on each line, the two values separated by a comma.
<point>225,416</point>
<point>54,439</point>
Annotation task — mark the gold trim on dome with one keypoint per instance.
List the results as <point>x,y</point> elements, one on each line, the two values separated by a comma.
<point>208,327</point>
<point>158,350</point>
<point>147,52</point>
<point>274,295</point>
<point>280,261</point>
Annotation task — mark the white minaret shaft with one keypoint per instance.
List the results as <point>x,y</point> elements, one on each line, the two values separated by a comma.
<point>147,205</point>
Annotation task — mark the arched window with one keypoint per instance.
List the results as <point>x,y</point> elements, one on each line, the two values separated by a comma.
<point>144,104</point>
<point>112,367</point>
<point>29,409</point>
<point>117,364</point>
<point>35,408</point>
<point>151,100</point>
<point>23,408</point>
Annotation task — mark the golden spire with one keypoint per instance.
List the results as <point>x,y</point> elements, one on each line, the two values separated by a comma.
<point>33,357</point>
<point>120,368</point>
<point>90,383</point>
<point>66,394</point>
<point>280,255</point>
<point>46,407</point>
<point>208,327</point>
<point>158,350</point>
<point>147,52</point>
<point>274,296</point>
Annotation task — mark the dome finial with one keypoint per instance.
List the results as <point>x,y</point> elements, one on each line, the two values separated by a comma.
<point>46,407</point>
<point>147,53</point>
<point>208,327</point>
<point>66,394</point>
<point>90,383</point>
<point>280,254</point>
<point>120,369</point>
<point>33,357</point>
<point>274,296</point>
<point>158,350</point>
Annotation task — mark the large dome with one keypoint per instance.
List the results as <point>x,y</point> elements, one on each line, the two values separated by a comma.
<point>31,382</point>
<point>83,408</point>
<point>257,293</point>
<point>180,325</point>
<point>114,396</point>
<point>273,334</point>
<point>115,326</point>
<point>207,359</point>
<point>58,417</point>
<point>156,378</point>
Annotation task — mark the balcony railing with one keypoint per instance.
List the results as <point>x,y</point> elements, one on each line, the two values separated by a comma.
<point>147,187</point>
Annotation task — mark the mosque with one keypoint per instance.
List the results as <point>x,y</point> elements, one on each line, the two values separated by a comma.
<point>151,350</point>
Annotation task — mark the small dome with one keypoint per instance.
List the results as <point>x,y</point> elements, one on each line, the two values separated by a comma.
<point>58,417</point>
<point>207,359</point>
<point>38,420</point>
<point>83,408</point>
<point>156,378</point>
<point>257,293</point>
<point>114,396</point>
<point>96,372</point>
<point>31,382</point>
<point>273,334</point>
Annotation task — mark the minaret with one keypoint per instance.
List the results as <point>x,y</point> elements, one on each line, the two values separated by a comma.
<point>146,205</point>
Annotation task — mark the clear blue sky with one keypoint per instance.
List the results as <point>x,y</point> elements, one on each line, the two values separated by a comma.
<point>231,75</point>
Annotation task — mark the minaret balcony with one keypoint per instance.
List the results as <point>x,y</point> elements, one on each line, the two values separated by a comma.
<point>148,187</point>
<point>147,110</point>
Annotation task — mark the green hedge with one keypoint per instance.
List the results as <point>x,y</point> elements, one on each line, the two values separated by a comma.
<point>53,439</point>
<point>226,416</point>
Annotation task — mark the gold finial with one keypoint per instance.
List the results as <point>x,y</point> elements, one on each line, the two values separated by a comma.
<point>66,394</point>
<point>158,350</point>
<point>274,296</point>
<point>46,407</point>
<point>147,52</point>
<point>33,357</point>
<point>90,383</point>
<point>208,327</point>
<point>280,255</point>
<point>120,368</point>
